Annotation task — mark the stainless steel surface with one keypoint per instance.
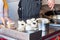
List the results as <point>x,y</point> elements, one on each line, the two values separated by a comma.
<point>21,35</point>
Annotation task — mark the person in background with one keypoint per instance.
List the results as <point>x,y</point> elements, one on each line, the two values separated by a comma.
<point>4,12</point>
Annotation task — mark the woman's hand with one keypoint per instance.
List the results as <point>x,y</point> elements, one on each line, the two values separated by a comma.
<point>51,4</point>
<point>8,19</point>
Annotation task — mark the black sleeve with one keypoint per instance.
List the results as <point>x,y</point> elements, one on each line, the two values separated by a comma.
<point>19,5</point>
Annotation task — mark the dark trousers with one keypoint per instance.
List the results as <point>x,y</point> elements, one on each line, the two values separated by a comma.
<point>27,16</point>
<point>29,9</point>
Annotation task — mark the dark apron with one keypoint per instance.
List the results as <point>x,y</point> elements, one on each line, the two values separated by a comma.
<point>29,9</point>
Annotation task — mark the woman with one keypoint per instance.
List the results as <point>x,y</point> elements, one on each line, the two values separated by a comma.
<point>3,12</point>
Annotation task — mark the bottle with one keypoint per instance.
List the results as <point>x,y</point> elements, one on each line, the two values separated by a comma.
<point>43,28</point>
